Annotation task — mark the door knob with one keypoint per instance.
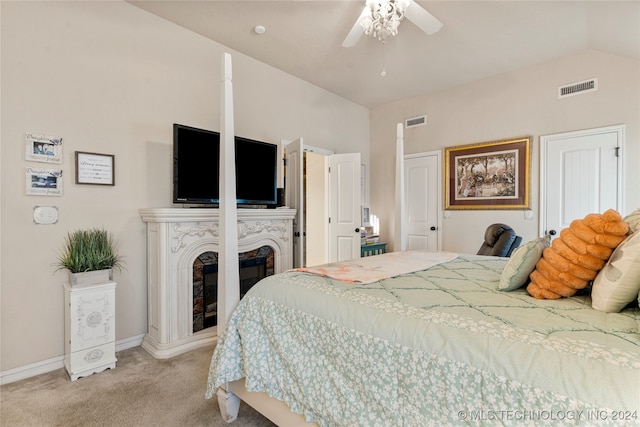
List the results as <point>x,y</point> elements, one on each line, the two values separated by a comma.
<point>357,230</point>
<point>433,228</point>
<point>552,232</point>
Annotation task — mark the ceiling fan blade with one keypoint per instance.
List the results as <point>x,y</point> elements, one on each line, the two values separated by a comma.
<point>422,19</point>
<point>356,31</point>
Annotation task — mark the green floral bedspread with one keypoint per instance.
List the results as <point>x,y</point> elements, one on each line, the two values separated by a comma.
<point>436,347</point>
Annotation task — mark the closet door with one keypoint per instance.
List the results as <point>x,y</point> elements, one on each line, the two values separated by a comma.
<point>580,174</point>
<point>422,201</point>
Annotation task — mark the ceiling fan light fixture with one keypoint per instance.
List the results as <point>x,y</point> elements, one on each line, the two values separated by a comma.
<point>383,17</point>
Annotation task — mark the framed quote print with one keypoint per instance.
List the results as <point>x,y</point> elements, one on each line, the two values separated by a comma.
<point>94,168</point>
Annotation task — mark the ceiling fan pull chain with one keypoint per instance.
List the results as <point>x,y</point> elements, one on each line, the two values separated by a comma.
<point>384,70</point>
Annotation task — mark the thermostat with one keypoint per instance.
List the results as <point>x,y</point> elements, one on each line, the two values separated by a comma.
<point>45,214</point>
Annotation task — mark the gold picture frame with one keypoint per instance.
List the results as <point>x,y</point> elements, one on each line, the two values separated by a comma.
<point>488,175</point>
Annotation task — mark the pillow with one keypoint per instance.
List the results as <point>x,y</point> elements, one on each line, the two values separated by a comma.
<point>633,219</point>
<point>618,283</point>
<point>522,262</point>
<point>577,255</point>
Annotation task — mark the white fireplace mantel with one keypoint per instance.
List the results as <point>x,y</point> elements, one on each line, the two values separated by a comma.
<point>175,238</point>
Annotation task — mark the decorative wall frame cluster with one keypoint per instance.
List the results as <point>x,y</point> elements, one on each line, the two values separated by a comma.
<point>91,168</point>
<point>489,175</point>
<point>43,149</point>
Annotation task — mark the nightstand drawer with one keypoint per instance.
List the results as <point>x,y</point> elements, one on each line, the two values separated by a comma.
<point>91,316</point>
<point>91,360</point>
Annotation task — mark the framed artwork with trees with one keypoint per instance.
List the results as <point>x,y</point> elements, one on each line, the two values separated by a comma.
<point>488,175</point>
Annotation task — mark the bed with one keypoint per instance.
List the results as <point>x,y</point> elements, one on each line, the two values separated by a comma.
<point>437,346</point>
<point>417,343</point>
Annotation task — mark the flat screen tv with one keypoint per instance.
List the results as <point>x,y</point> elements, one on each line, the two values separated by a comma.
<point>196,168</point>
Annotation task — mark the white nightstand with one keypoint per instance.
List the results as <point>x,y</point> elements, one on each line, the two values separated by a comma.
<point>89,330</point>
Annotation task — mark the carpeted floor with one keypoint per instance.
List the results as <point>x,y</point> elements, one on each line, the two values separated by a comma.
<point>140,391</point>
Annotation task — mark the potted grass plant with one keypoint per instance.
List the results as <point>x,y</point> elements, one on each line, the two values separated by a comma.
<point>90,256</point>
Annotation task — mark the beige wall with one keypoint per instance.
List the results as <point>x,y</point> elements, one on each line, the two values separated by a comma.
<point>111,78</point>
<point>514,104</point>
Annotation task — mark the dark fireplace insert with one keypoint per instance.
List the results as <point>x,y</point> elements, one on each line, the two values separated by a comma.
<point>254,266</point>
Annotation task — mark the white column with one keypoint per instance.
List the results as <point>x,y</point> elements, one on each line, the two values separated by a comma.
<point>400,243</point>
<point>228,276</point>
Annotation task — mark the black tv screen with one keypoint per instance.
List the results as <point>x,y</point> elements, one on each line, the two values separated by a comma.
<point>196,168</point>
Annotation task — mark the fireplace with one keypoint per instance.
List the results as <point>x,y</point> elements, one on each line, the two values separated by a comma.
<point>177,240</point>
<point>254,265</point>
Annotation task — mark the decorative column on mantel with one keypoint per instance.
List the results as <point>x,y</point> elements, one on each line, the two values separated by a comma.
<point>175,238</point>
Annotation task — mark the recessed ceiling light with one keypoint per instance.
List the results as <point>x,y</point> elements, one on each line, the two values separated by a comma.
<point>259,29</point>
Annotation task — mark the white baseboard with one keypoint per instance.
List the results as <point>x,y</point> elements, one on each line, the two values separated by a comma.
<point>128,343</point>
<point>44,366</point>
<point>31,370</point>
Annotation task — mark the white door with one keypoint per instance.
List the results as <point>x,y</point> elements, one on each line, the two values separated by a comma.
<point>344,207</point>
<point>316,212</point>
<point>422,201</point>
<point>294,196</point>
<point>580,174</point>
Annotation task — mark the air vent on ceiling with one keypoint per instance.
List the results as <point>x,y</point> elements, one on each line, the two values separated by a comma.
<point>578,88</point>
<point>416,121</point>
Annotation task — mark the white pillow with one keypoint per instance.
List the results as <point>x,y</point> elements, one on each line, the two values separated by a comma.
<point>521,263</point>
<point>618,283</point>
<point>633,219</point>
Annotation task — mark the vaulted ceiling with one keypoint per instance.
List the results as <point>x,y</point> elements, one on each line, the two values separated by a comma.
<point>478,39</point>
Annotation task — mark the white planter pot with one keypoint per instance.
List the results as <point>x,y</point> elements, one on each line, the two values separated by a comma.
<point>91,277</point>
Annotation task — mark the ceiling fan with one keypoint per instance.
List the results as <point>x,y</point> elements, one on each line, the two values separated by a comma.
<point>381,18</point>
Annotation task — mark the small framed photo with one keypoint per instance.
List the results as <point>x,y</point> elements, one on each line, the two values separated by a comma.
<point>366,221</point>
<point>363,179</point>
<point>44,182</point>
<point>95,168</point>
<point>43,148</point>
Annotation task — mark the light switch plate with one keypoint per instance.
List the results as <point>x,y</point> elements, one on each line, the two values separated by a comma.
<point>45,214</point>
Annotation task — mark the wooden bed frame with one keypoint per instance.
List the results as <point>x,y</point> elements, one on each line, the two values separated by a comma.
<point>273,409</point>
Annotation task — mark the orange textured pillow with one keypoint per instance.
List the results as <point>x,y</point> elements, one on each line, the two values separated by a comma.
<point>576,256</point>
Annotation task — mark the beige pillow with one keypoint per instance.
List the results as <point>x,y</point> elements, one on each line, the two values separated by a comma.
<point>521,263</point>
<point>633,219</point>
<point>618,283</point>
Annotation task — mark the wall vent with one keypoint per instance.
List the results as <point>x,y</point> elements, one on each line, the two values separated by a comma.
<point>578,88</point>
<point>416,121</point>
